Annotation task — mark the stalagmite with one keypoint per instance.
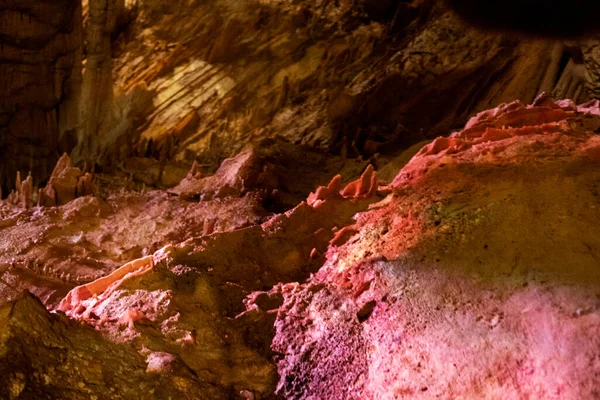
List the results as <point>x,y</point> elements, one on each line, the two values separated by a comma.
<point>66,183</point>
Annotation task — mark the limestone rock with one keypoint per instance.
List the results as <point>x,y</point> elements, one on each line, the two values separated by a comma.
<point>22,196</point>
<point>476,278</point>
<point>40,69</point>
<point>234,177</point>
<point>188,294</point>
<point>66,183</point>
<point>357,78</point>
<point>48,356</point>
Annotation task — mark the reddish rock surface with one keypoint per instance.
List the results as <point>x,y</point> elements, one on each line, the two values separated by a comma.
<point>476,278</point>
<point>470,272</point>
<point>189,294</point>
<point>181,307</point>
<point>48,250</point>
<point>474,274</point>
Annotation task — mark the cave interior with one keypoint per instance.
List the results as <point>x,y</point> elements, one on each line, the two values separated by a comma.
<point>293,199</point>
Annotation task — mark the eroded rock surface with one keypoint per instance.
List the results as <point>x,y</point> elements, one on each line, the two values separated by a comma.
<point>48,250</point>
<point>206,79</point>
<point>476,278</point>
<point>49,356</point>
<point>472,273</point>
<point>182,308</point>
<point>191,295</point>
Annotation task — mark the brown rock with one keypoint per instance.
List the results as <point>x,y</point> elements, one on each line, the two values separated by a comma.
<point>45,355</point>
<point>66,183</point>
<point>40,69</point>
<point>234,177</point>
<point>22,196</point>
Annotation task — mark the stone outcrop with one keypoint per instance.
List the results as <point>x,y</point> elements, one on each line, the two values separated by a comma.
<point>472,273</point>
<point>475,278</point>
<point>46,355</point>
<point>191,296</point>
<point>235,177</point>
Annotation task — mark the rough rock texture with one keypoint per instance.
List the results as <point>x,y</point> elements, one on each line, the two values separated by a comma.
<point>202,80</point>
<point>66,184</point>
<point>49,356</point>
<point>178,307</point>
<point>40,74</point>
<point>472,274</point>
<point>234,177</point>
<point>477,278</point>
<point>48,250</point>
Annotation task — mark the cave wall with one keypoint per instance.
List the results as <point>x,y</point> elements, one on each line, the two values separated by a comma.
<point>201,80</point>
<point>40,66</point>
<point>350,77</point>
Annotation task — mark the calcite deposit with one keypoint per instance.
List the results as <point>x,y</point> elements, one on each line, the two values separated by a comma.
<point>476,278</point>
<point>291,199</point>
<point>203,80</point>
<point>471,274</point>
<point>182,307</point>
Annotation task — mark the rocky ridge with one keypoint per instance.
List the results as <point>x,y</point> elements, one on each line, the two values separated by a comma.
<point>472,273</point>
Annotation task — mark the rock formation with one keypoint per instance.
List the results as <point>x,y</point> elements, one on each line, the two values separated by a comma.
<point>197,238</point>
<point>471,274</point>
<point>50,356</point>
<point>40,66</point>
<point>476,278</point>
<point>190,293</point>
<point>203,80</point>
<point>66,183</point>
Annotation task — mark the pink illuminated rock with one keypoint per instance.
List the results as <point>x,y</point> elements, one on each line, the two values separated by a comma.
<point>364,187</point>
<point>473,275</point>
<point>477,278</point>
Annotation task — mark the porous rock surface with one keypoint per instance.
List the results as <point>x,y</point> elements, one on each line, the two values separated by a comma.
<point>472,274</point>
<point>179,312</point>
<point>477,278</point>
